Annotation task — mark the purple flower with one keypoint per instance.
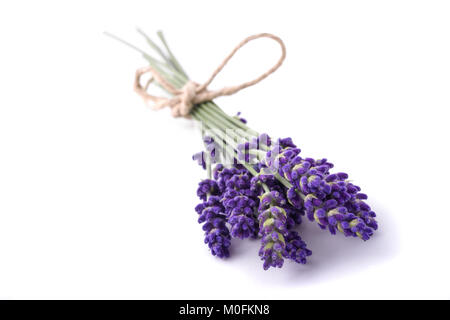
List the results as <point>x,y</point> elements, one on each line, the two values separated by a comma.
<point>272,227</point>
<point>240,210</point>
<point>211,152</point>
<point>294,215</point>
<point>239,181</point>
<point>329,199</point>
<point>207,187</point>
<point>279,156</point>
<point>209,208</point>
<point>200,157</point>
<point>268,179</point>
<point>238,116</point>
<point>241,204</point>
<point>294,198</point>
<point>222,175</point>
<point>293,204</point>
<point>217,235</point>
<point>296,248</point>
<point>342,208</point>
<point>286,143</point>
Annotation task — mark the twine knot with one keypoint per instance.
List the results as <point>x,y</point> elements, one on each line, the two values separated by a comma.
<point>192,93</point>
<point>186,99</point>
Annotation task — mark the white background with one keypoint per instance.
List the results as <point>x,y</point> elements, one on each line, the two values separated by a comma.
<point>97,190</point>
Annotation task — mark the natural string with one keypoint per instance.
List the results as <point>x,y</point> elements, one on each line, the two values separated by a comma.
<point>193,93</point>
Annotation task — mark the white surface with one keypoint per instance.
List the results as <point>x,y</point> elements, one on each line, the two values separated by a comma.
<point>97,191</point>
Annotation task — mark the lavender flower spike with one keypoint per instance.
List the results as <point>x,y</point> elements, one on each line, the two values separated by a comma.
<point>272,220</point>
<point>240,211</point>
<point>211,213</point>
<point>296,248</point>
<point>207,187</point>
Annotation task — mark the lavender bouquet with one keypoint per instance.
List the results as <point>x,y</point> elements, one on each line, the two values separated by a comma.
<point>255,186</point>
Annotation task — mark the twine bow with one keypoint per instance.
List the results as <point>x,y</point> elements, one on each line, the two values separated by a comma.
<point>193,93</point>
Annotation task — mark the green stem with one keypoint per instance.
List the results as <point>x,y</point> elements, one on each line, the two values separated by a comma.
<point>212,126</point>
<point>235,121</point>
<point>209,108</point>
<point>154,46</point>
<point>172,57</point>
<point>219,123</point>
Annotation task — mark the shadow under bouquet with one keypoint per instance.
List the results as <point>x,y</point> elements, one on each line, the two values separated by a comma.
<point>255,186</point>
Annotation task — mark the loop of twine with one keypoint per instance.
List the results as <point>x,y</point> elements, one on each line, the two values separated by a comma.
<point>193,93</point>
